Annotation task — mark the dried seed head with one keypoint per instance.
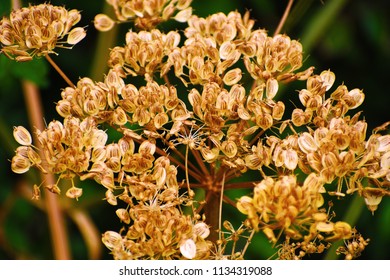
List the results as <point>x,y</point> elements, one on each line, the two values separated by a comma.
<point>37,30</point>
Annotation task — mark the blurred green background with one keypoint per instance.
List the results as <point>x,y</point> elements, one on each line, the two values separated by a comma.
<point>351,38</point>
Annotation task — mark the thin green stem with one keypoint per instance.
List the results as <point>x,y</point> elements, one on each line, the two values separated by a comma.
<point>320,22</point>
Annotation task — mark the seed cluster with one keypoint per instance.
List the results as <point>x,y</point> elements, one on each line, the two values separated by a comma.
<point>226,122</point>
<point>146,14</point>
<point>37,30</point>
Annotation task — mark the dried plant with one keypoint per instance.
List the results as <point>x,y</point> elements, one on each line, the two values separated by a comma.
<point>174,143</point>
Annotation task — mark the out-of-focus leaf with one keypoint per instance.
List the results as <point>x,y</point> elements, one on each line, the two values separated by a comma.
<point>5,7</point>
<point>35,71</point>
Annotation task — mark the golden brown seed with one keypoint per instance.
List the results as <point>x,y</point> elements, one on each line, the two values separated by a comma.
<point>76,35</point>
<point>74,192</point>
<point>22,136</point>
<point>20,164</point>
<point>103,22</point>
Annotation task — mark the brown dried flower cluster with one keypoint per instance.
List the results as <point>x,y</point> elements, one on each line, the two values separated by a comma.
<point>146,14</point>
<point>37,30</point>
<point>173,142</point>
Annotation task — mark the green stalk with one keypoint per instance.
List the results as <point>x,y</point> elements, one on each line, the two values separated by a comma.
<point>105,41</point>
<point>320,22</point>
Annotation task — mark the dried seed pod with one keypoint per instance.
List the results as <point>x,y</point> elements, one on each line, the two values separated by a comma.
<point>111,198</point>
<point>328,78</point>
<point>343,229</point>
<point>160,120</point>
<point>384,143</point>
<point>306,143</point>
<point>74,192</point>
<point>300,117</point>
<point>147,147</point>
<point>232,76</point>
<point>264,121</point>
<point>112,240</point>
<point>22,136</point>
<point>372,198</point>
<point>201,229</point>
<point>325,226</point>
<point>210,155</point>
<point>320,216</point>
<point>103,22</point>
<point>76,35</point>
<point>272,87</point>
<point>354,98</point>
<point>229,148</point>
<point>123,215</point>
<point>245,204</point>
<point>119,116</point>
<point>183,15</point>
<point>20,164</point>
<point>53,188</point>
<point>188,249</point>
<point>290,158</point>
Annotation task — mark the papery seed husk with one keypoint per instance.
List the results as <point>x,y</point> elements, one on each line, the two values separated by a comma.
<point>22,136</point>
<point>103,22</point>
<point>201,229</point>
<point>123,215</point>
<point>188,249</point>
<point>74,192</point>
<point>112,240</point>
<point>20,164</point>
<point>76,35</point>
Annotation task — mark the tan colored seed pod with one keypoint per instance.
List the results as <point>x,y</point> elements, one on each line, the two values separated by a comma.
<point>103,22</point>
<point>232,76</point>
<point>22,136</point>
<point>123,215</point>
<point>20,164</point>
<point>188,249</point>
<point>76,35</point>
<point>372,198</point>
<point>74,192</point>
